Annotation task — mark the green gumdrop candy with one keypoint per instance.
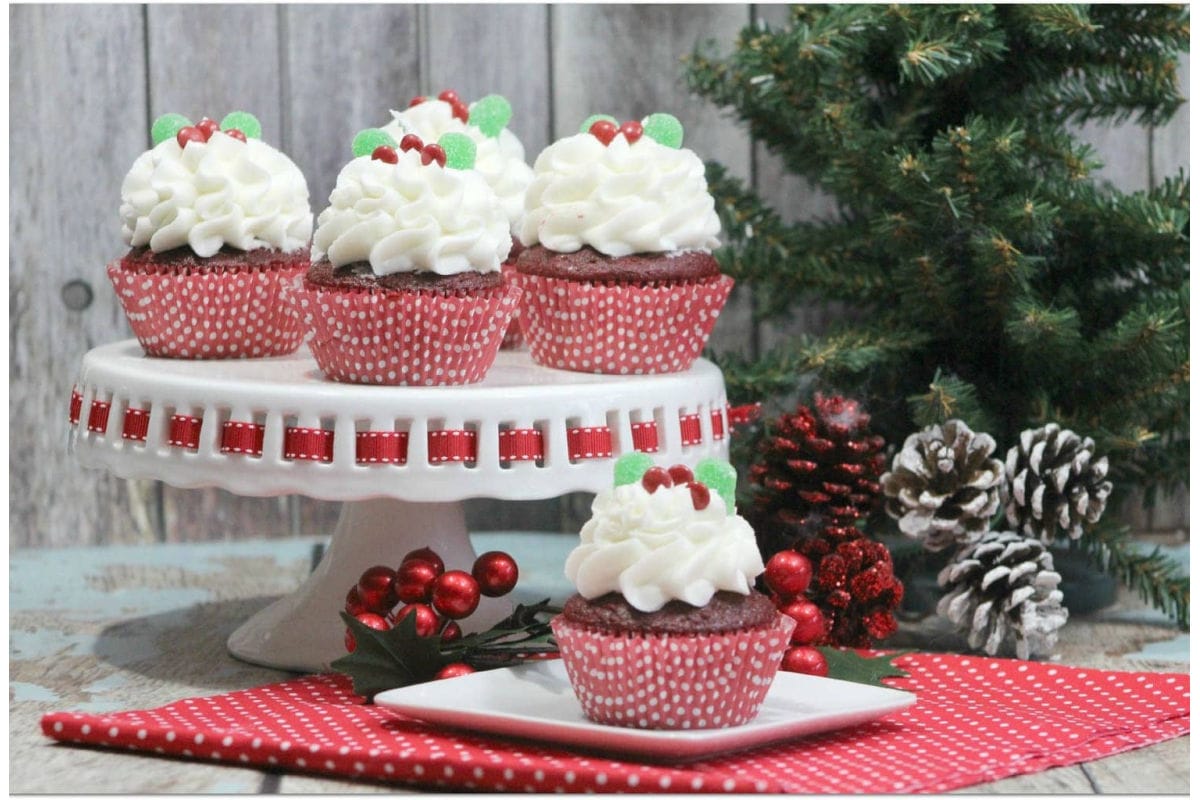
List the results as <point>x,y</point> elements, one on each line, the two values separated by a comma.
<point>721,477</point>
<point>243,121</point>
<point>630,468</point>
<point>459,149</point>
<point>366,140</point>
<point>593,119</point>
<point>166,126</point>
<point>490,114</point>
<point>664,129</point>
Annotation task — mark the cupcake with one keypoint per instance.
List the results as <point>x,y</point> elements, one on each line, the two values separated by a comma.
<point>499,155</point>
<point>666,630</point>
<point>218,223</point>
<point>405,286</point>
<point>618,276</point>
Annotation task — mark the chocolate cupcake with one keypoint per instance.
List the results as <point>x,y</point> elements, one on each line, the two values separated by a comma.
<point>666,630</point>
<point>619,276</point>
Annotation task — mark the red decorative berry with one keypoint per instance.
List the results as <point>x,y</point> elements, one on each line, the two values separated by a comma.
<point>701,497</point>
<point>632,131</point>
<point>427,621</point>
<point>189,133</point>
<point>455,670</point>
<point>371,621</point>
<point>806,660</point>
<point>207,127</point>
<point>414,581</point>
<point>788,573</point>
<point>455,594</point>
<point>416,101</point>
<point>433,152</point>
<point>655,477</point>
<point>376,587</point>
<point>385,153</point>
<point>451,632</point>
<point>236,134</point>
<point>680,474</point>
<point>495,572</point>
<point>604,130</point>
<point>810,622</point>
<point>426,554</point>
<point>412,142</point>
<point>460,111</point>
<point>354,603</point>
<point>449,95</point>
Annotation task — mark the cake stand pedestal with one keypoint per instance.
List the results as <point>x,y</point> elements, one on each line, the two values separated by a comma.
<point>400,459</point>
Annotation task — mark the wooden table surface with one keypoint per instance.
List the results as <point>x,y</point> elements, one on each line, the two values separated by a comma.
<point>118,628</point>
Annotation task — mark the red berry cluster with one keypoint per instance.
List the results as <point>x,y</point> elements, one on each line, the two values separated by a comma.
<point>202,131</point>
<point>422,586</point>
<point>429,152</point>
<point>457,107</point>
<point>657,477</point>
<point>606,130</point>
<point>788,577</point>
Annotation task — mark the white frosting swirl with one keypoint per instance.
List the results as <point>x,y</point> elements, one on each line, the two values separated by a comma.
<point>246,195</point>
<point>653,548</point>
<point>500,160</point>
<point>620,199</point>
<point>410,217</point>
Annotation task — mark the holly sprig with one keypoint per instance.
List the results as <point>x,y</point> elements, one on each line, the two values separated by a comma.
<point>399,657</point>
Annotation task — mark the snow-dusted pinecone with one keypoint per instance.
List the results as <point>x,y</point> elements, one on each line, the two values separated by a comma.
<point>944,486</point>
<point>1002,588</point>
<point>1055,483</point>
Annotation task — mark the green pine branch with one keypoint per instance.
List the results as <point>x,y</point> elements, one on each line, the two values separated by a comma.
<point>1154,576</point>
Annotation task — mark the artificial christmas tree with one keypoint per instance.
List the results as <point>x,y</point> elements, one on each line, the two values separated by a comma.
<point>998,282</point>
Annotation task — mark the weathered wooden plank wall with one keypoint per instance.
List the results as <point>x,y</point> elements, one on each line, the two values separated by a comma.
<point>96,75</point>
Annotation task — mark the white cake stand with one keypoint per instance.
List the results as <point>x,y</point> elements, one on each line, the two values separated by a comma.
<point>399,458</point>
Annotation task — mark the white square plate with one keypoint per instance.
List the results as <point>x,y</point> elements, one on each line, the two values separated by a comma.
<point>535,701</point>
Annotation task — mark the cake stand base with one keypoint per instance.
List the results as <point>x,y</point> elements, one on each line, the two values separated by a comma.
<point>303,631</point>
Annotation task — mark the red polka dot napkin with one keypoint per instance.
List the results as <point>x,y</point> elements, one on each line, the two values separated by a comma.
<point>975,720</point>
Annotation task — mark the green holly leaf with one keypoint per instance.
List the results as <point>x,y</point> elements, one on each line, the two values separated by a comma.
<point>847,665</point>
<point>390,659</point>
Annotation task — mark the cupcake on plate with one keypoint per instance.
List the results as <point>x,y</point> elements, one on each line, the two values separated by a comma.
<point>218,223</point>
<point>405,285</point>
<point>666,630</point>
<point>499,155</point>
<point>618,276</point>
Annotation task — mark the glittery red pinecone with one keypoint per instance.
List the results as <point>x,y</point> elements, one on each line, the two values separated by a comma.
<point>853,585</point>
<point>818,467</point>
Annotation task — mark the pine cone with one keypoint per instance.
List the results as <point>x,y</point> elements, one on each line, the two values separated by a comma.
<point>1054,483</point>
<point>1003,587</point>
<point>853,585</point>
<point>943,486</point>
<point>820,467</point>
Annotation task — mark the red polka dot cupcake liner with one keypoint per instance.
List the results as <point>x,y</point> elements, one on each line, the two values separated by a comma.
<point>210,314</point>
<point>513,340</point>
<point>405,338</point>
<point>671,681</point>
<point>619,329</point>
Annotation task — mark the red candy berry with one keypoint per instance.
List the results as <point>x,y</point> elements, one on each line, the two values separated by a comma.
<point>207,127</point>
<point>425,554</point>
<point>788,573</point>
<point>412,142</point>
<point>632,131</point>
<point>385,154</point>
<point>604,130</point>
<point>495,572</point>
<point>189,133</point>
<point>806,660</point>
<point>451,632</point>
<point>810,622</point>
<point>416,101</point>
<point>449,95</point>
<point>427,621</point>
<point>460,111</point>
<point>455,670</point>
<point>680,474</point>
<point>655,477</point>
<point>701,497</point>
<point>455,594</point>
<point>414,581</point>
<point>376,587</point>
<point>433,152</point>
<point>236,134</point>
<point>354,603</point>
<point>371,621</point>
